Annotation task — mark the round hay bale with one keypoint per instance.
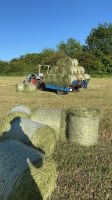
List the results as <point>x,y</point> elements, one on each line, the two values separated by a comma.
<point>74,70</point>
<point>87,76</point>
<point>80,70</point>
<point>80,77</point>
<point>32,133</point>
<point>72,78</point>
<point>13,164</point>
<point>68,62</point>
<point>30,87</point>
<point>44,181</point>
<point>83,124</point>
<point>75,62</point>
<point>60,62</point>
<point>21,108</point>
<point>20,87</point>
<point>16,111</point>
<point>55,118</point>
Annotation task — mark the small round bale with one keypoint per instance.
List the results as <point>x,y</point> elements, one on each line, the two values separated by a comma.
<point>80,77</point>
<point>30,87</point>
<point>20,87</point>
<point>68,62</point>
<point>87,76</point>
<point>24,174</point>
<point>32,133</point>
<point>44,181</point>
<point>80,70</point>
<point>16,111</point>
<point>55,118</point>
<point>83,124</point>
<point>75,62</point>
<point>20,108</point>
<point>13,163</point>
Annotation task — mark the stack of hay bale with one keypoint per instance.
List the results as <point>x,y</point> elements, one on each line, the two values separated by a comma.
<point>27,143</point>
<point>66,71</point>
<point>27,170</point>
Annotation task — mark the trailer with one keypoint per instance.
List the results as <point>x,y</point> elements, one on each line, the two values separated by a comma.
<point>74,87</point>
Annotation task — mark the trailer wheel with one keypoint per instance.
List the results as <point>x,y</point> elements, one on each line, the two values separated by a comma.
<point>61,92</point>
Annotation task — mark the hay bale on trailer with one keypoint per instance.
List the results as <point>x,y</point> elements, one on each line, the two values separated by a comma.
<point>20,87</point>
<point>83,124</point>
<point>87,76</point>
<point>23,174</point>
<point>80,70</point>
<point>16,111</point>
<point>75,62</point>
<point>32,133</point>
<point>55,118</point>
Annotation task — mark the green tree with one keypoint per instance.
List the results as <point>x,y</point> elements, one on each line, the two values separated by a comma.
<point>70,48</point>
<point>100,38</point>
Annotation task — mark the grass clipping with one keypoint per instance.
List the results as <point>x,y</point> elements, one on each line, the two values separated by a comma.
<point>16,111</point>
<point>83,124</point>
<point>55,118</point>
<point>32,133</point>
<point>23,174</point>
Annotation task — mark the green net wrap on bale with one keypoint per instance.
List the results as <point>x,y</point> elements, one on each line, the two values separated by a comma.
<point>44,177</point>
<point>13,164</point>
<point>32,133</point>
<point>16,111</point>
<point>55,118</point>
<point>30,87</point>
<point>20,87</point>
<point>83,124</point>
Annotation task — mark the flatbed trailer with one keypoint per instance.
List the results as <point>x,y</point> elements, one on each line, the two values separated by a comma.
<point>74,87</point>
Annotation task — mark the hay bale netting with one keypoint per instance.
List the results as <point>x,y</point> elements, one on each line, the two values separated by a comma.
<point>16,111</point>
<point>83,124</point>
<point>32,133</point>
<point>55,118</point>
<point>23,174</point>
<point>87,76</point>
<point>20,87</point>
<point>30,87</point>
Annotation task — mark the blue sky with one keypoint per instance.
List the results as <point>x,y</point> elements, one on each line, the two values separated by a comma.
<point>28,26</point>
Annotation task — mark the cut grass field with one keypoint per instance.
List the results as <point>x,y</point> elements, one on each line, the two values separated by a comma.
<point>83,172</point>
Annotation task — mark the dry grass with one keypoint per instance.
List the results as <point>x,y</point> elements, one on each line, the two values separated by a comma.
<point>84,173</point>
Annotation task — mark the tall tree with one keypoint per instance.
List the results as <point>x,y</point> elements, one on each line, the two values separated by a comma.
<point>100,38</point>
<point>70,48</point>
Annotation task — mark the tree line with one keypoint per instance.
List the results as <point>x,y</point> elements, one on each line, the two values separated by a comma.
<point>95,55</point>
